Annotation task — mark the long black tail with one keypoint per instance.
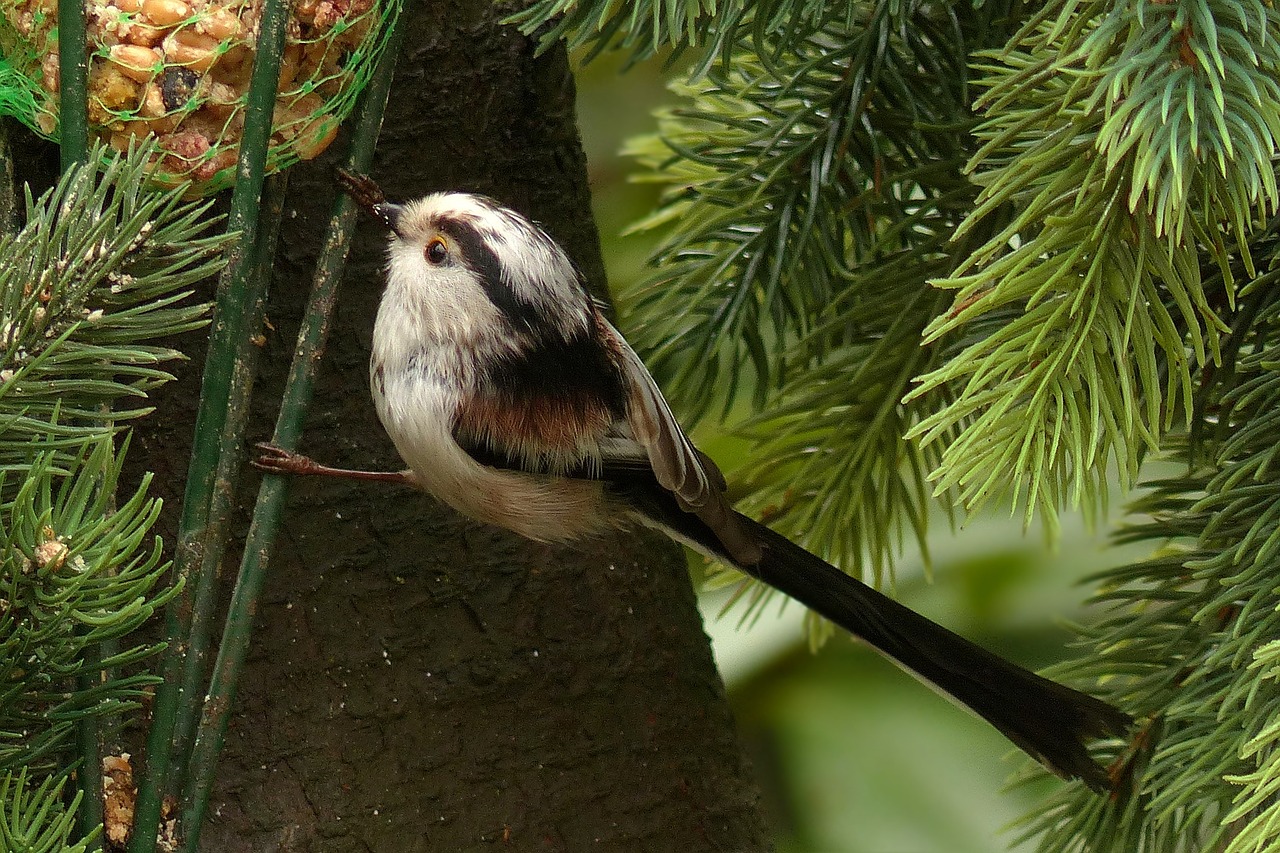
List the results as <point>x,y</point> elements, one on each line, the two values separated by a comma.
<point>1049,721</point>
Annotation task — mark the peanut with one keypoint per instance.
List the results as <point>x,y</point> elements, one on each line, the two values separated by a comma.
<point>165,13</point>
<point>51,71</point>
<point>192,50</point>
<point>128,133</point>
<point>235,66</point>
<point>220,99</point>
<point>209,168</point>
<point>289,64</point>
<point>158,118</point>
<point>316,137</point>
<point>152,105</point>
<point>144,35</point>
<point>220,23</point>
<point>135,61</point>
<point>47,122</point>
<point>308,105</point>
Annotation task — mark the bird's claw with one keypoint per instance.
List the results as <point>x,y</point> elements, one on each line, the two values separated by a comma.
<point>277,460</point>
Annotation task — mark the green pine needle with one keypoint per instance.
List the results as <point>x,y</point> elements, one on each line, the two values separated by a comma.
<point>1190,642</point>
<point>1112,142</point>
<point>101,268</point>
<point>805,217</point>
<point>35,819</point>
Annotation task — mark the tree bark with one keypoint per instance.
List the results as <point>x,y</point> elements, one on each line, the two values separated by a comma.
<point>419,682</point>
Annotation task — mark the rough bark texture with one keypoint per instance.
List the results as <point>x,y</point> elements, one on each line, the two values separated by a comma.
<point>418,682</point>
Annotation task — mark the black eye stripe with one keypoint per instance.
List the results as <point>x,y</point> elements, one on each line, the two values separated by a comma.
<point>481,259</point>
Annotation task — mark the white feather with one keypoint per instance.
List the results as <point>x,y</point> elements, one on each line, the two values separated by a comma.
<point>434,326</point>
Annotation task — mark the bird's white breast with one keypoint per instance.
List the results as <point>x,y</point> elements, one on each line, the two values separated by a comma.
<point>418,373</point>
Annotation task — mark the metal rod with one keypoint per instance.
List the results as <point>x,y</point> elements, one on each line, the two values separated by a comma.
<point>222,500</point>
<point>73,111</point>
<point>89,747</point>
<point>228,339</point>
<point>312,337</point>
<point>73,84</point>
<point>8,192</point>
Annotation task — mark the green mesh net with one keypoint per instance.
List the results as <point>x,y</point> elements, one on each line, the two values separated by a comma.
<point>178,71</point>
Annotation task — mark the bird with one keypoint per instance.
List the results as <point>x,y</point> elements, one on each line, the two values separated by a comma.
<point>511,398</point>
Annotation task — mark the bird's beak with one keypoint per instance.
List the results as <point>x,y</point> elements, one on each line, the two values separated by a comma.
<point>388,214</point>
<point>366,193</point>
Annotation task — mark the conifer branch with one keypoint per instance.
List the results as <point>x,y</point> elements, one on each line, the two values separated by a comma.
<point>1190,644</point>
<point>34,820</point>
<point>101,267</point>
<point>1113,143</point>
<point>814,189</point>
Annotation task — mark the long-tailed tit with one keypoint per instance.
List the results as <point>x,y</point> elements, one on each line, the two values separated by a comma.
<point>513,400</point>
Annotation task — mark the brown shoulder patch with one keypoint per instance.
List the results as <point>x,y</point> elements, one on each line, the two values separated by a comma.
<point>565,424</point>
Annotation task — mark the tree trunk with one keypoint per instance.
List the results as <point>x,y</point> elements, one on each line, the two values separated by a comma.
<point>419,682</point>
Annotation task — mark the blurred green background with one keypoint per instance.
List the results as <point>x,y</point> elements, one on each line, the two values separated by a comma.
<point>854,755</point>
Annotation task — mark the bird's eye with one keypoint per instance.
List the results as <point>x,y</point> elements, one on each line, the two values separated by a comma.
<point>436,251</point>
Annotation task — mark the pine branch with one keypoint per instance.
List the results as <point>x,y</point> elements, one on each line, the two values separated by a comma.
<point>75,573</point>
<point>1121,177</point>
<point>100,267</point>
<point>813,196</point>
<point>33,818</point>
<point>837,428</point>
<point>1127,154</point>
<point>784,175</point>
<point>1191,642</point>
<point>645,27</point>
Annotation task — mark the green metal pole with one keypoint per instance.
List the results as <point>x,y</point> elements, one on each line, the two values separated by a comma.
<point>234,303</point>
<point>73,111</point>
<point>8,195</point>
<point>73,84</point>
<point>266,516</point>
<point>222,501</point>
